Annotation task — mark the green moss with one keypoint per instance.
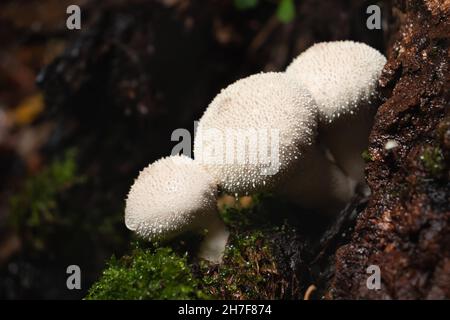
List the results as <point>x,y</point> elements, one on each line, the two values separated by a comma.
<point>433,161</point>
<point>245,4</point>
<point>34,209</point>
<point>249,252</point>
<point>246,272</point>
<point>286,11</point>
<point>243,218</point>
<point>366,156</point>
<point>234,217</point>
<point>147,274</point>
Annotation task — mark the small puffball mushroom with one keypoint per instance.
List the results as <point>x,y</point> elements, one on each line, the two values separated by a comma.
<point>342,77</point>
<point>174,195</point>
<point>255,131</point>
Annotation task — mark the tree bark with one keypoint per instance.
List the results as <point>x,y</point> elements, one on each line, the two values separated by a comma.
<point>405,228</point>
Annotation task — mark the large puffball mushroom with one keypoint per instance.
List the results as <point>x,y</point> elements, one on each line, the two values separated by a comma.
<point>255,131</point>
<point>318,184</point>
<point>174,195</point>
<point>342,77</point>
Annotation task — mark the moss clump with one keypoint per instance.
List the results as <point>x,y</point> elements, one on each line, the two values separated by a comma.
<point>245,4</point>
<point>366,156</point>
<point>285,11</point>
<point>248,270</point>
<point>240,218</point>
<point>34,210</point>
<point>147,274</point>
<point>433,161</point>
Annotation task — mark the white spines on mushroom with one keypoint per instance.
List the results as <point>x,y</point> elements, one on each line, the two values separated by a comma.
<point>174,195</point>
<point>255,131</point>
<point>342,77</point>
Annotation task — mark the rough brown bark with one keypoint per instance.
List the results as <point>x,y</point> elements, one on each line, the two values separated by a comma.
<point>405,228</point>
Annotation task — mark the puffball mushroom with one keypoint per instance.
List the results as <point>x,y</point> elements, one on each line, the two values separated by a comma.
<point>255,131</point>
<point>342,77</point>
<point>174,195</point>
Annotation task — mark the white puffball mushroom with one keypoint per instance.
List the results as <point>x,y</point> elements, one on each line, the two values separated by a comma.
<point>342,77</point>
<point>174,195</point>
<point>255,131</point>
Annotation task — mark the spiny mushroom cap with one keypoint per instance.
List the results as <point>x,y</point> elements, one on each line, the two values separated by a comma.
<point>340,75</point>
<point>170,196</point>
<point>269,104</point>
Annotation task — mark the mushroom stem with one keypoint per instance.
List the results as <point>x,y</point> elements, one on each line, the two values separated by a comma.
<point>318,183</point>
<point>213,245</point>
<point>347,137</point>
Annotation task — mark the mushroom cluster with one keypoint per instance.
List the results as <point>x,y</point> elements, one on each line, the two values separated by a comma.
<point>299,133</point>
